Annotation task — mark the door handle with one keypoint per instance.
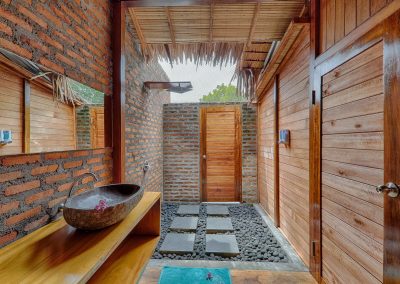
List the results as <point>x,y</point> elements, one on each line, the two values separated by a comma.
<point>204,157</point>
<point>391,188</point>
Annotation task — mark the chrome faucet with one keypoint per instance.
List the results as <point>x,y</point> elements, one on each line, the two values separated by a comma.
<point>79,178</point>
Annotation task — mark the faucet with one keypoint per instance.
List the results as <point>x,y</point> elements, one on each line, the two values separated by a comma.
<point>77,180</point>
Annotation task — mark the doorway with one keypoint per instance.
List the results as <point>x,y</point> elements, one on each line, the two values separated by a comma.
<point>220,154</point>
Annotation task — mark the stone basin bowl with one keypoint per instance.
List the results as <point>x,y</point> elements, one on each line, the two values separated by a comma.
<point>102,207</point>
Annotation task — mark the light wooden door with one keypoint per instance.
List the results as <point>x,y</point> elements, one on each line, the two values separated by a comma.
<point>221,153</point>
<point>97,127</point>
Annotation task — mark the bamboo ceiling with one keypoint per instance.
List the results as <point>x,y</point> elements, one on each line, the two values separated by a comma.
<point>214,33</point>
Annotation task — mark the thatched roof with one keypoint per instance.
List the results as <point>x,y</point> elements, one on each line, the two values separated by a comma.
<point>215,33</point>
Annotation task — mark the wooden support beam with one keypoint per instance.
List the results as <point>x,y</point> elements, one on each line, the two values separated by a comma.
<point>27,116</point>
<point>139,32</point>
<point>276,152</point>
<point>254,22</point>
<point>179,3</point>
<point>170,25</point>
<point>118,100</point>
<point>212,6</point>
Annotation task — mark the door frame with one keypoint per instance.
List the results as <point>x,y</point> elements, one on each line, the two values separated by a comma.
<point>238,152</point>
<point>384,26</point>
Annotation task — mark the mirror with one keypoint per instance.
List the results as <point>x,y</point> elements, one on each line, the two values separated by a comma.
<point>38,115</point>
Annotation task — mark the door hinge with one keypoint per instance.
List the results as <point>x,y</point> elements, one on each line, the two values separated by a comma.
<point>313,247</point>
<point>313,97</point>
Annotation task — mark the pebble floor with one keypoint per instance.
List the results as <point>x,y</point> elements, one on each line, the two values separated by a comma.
<point>256,243</point>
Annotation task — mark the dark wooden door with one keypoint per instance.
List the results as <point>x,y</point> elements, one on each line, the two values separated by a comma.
<point>221,153</point>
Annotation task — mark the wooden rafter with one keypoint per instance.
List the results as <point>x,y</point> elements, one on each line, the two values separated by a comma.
<point>170,25</point>
<point>212,5</point>
<point>253,22</point>
<point>138,31</point>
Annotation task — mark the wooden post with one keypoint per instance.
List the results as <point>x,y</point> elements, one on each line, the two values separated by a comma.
<point>276,151</point>
<point>118,99</point>
<point>27,116</point>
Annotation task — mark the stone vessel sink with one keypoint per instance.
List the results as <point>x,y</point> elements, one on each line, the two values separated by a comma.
<point>101,207</point>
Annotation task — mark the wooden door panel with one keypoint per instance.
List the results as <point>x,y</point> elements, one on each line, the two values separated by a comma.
<point>352,165</point>
<point>221,147</point>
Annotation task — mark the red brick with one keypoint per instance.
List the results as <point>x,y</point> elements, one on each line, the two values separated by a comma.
<point>35,224</point>
<point>87,179</point>
<point>78,173</point>
<point>57,201</point>
<point>38,196</point>
<point>16,20</point>
<point>20,159</point>
<point>94,160</point>
<point>99,168</point>
<point>51,65</point>
<point>37,45</point>
<point>56,178</point>
<point>73,164</point>
<point>48,15</point>
<point>10,176</point>
<point>32,16</point>
<point>50,41</point>
<point>4,208</point>
<point>99,151</point>
<point>80,153</point>
<point>75,55</point>
<point>22,216</point>
<point>56,155</point>
<point>44,170</point>
<point>66,60</point>
<point>5,29</point>
<point>15,189</point>
<point>66,186</point>
<point>8,238</point>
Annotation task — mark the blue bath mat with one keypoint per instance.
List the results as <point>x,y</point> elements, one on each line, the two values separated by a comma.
<point>185,275</point>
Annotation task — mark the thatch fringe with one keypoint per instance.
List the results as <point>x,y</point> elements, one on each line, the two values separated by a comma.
<point>246,83</point>
<point>215,53</point>
<point>62,91</point>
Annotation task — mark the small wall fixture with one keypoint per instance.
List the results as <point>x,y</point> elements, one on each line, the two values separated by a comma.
<point>284,137</point>
<point>5,137</point>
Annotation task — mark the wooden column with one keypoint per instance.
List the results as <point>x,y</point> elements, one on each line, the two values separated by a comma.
<point>315,146</point>
<point>27,116</point>
<point>118,99</point>
<point>276,152</point>
<point>391,57</point>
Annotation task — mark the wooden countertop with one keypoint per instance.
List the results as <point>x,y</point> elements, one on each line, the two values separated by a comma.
<point>58,253</point>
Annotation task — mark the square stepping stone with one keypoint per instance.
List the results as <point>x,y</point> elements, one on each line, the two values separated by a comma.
<point>224,245</point>
<point>188,210</point>
<point>218,225</point>
<point>217,210</point>
<point>184,224</point>
<point>178,243</point>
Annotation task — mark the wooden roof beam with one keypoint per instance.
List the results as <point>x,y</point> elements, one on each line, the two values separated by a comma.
<point>254,22</point>
<point>139,31</point>
<point>212,5</point>
<point>170,25</point>
<point>178,3</point>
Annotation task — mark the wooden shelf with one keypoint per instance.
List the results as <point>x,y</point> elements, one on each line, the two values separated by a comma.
<point>58,253</point>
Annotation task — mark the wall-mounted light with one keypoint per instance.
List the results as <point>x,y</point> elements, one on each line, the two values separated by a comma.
<point>284,137</point>
<point>5,137</point>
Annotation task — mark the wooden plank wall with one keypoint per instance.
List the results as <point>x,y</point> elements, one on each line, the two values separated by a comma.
<point>11,110</point>
<point>339,17</point>
<point>294,160</point>
<point>265,152</point>
<point>97,127</point>
<point>352,165</point>
<point>52,123</point>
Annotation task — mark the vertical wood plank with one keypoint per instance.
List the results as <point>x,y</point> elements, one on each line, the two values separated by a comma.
<point>391,57</point>
<point>376,5</point>
<point>339,20</point>
<point>362,11</point>
<point>27,116</point>
<point>238,154</point>
<point>108,122</point>
<point>350,21</point>
<point>118,100</point>
<point>330,23</point>
<point>203,161</point>
<point>276,152</point>
<point>322,37</point>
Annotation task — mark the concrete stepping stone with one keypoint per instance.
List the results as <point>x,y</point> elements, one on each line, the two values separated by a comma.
<point>218,225</point>
<point>188,210</point>
<point>224,245</point>
<point>178,243</point>
<point>217,210</point>
<point>184,224</point>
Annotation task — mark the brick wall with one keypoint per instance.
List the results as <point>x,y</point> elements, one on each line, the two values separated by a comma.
<point>32,184</point>
<point>182,152</point>
<point>70,37</point>
<point>83,140</point>
<point>144,129</point>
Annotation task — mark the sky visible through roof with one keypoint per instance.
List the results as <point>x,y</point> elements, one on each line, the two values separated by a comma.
<point>204,78</point>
